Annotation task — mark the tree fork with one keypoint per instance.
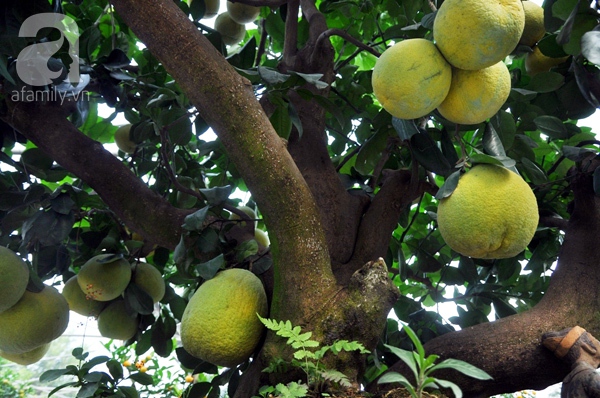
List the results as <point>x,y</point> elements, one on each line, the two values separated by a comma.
<point>572,299</point>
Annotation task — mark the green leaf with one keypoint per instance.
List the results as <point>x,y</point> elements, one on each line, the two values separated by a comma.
<point>406,357</point>
<point>448,384</point>
<point>195,221</point>
<point>491,142</point>
<point>394,377</point>
<point>413,337</point>
<point>449,186</point>
<point>405,128</point>
<point>534,172</point>
<point>115,368</point>
<point>281,120</point>
<point>210,268</point>
<point>53,374</point>
<point>552,126</point>
<point>138,299</point>
<point>464,368</point>
<point>142,378</point>
<point>427,153</point>
<point>216,196</point>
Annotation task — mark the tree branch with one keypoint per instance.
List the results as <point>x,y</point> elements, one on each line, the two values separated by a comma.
<point>343,34</point>
<point>382,216</point>
<point>226,101</point>
<point>290,43</point>
<point>571,299</point>
<point>141,209</point>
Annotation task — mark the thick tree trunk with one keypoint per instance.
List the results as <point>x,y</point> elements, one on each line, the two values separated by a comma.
<point>510,349</point>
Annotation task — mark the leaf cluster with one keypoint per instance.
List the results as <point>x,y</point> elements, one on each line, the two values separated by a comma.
<point>423,366</point>
<point>307,356</point>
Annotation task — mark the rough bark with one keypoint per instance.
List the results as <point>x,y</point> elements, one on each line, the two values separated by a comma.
<point>510,349</point>
<point>305,290</point>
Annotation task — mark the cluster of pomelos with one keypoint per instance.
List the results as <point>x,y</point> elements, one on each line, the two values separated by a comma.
<point>462,74</point>
<point>98,291</point>
<point>29,320</point>
<point>231,24</point>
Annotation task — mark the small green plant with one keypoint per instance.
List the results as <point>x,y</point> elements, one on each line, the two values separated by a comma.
<point>423,367</point>
<point>307,356</point>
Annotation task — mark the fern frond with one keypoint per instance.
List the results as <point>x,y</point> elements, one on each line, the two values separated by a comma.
<point>335,377</point>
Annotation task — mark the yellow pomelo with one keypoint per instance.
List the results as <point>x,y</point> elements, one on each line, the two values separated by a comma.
<point>122,139</point>
<point>475,34</point>
<point>104,277</point>
<point>534,24</point>
<point>411,78</point>
<point>231,31</point>
<point>242,13</point>
<point>492,213</point>
<point>219,324</point>
<point>150,280</point>
<point>261,237</point>
<point>28,357</point>
<point>78,301</point>
<point>14,276</point>
<point>37,319</point>
<point>536,62</point>
<point>476,95</point>
<point>115,322</point>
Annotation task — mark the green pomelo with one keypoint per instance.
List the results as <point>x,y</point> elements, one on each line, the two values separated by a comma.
<point>104,277</point>
<point>231,31</point>
<point>37,319</point>
<point>150,280</point>
<point>249,211</point>
<point>261,237</point>
<point>242,13</point>
<point>14,276</point>
<point>79,302</point>
<point>28,357</point>
<point>219,324</point>
<point>115,322</point>
<point>123,140</point>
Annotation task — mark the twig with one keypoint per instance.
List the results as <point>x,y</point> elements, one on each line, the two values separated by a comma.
<point>343,34</point>
<point>291,34</point>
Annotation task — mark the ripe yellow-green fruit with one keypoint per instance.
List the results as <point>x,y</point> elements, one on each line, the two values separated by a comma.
<point>231,31</point>
<point>534,28</point>
<point>242,13</point>
<point>219,324</point>
<point>150,280</point>
<point>14,276</point>
<point>261,237</point>
<point>37,319</point>
<point>79,302</point>
<point>476,95</point>
<point>536,62</point>
<point>122,139</point>
<point>411,78</point>
<point>104,277</point>
<point>475,34</point>
<point>492,213</point>
<point>249,211</point>
<point>28,357</point>
<point>114,322</point>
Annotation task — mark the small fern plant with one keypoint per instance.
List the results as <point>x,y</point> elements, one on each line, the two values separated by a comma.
<point>307,356</point>
<point>422,367</point>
